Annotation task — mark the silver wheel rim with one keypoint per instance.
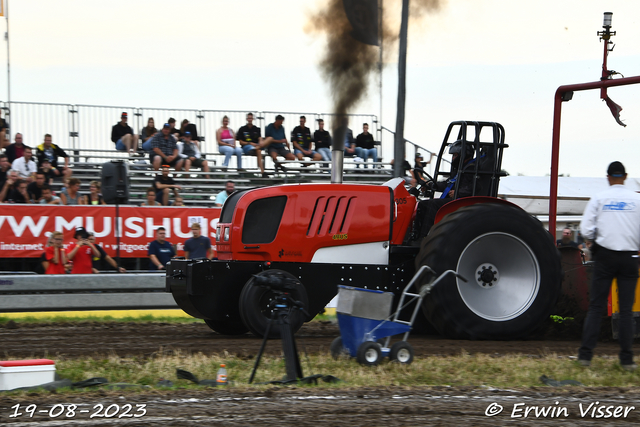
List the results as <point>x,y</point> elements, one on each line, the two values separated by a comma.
<point>371,355</point>
<point>503,276</point>
<point>404,355</point>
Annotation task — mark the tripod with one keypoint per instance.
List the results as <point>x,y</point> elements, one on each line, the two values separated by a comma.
<point>281,308</point>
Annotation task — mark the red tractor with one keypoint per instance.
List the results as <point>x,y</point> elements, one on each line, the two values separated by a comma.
<point>314,237</point>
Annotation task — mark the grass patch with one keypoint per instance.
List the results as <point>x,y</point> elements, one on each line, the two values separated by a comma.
<point>463,370</point>
<point>53,318</point>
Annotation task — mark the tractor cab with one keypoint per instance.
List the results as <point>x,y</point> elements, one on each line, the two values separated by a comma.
<point>475,168</point>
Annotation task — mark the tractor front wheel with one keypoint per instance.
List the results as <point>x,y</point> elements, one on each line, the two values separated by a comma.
<point>511,265</point>
<point>257,304</point>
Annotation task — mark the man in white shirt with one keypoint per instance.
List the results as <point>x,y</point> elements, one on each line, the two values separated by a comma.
<point>611,223</point>
<point>25,166</point>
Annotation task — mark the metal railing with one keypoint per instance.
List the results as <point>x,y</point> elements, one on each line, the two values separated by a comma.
<point>78,126</point>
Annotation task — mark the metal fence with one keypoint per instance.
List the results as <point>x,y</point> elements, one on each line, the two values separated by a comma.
<point>78,126</point>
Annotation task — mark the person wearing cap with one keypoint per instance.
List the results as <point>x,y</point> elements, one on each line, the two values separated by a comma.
<point>122,135</point>
<point>611,224</point>
<point>188,151</point>
<point>249,136</point>
<point>275,141</point>
<point>82,253</point>
<point>164,149</point>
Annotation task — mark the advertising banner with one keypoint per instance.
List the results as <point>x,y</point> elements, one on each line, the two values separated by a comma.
<point>25,229</point>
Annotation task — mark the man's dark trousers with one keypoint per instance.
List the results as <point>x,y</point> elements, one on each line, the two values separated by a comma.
<point>622,265</point>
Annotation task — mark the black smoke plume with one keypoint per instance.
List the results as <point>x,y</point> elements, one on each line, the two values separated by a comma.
<point>348,63</point>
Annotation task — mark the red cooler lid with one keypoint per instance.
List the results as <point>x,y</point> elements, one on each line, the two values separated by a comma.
<point>28,362</point>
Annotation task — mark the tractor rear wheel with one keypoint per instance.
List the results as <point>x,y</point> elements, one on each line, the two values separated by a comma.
<point>512,269</point>
<point>227,327</point>
<point>255,305</point>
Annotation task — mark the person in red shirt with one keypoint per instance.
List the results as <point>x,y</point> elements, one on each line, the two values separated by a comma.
<point>55,255</point>
<point>82,253</point>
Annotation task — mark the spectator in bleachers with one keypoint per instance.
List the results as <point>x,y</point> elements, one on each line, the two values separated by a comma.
<point>25,165</point>
<point>48,150</point>
<point>160,251</point>
<point>49,174</point>
<point>189,151</point>
<point>164,184</point>
<point>151,198</point>
<point>34,189</point>
<point>322,139</point>
<point>164,150</point>
<point>47,196</point>
<point>189,127</point>
<point>147,133</point>
<point>71,194</point>
<point>9,185</point>
<point>198,246</point>
<point>4,128</point>
<point>19,194</point>
<point>349,144</point>
<point>122,135</point>
<point>227,144</point>
<point>172,125</point>
<point>4,168</point>
<point>55,255</point>
<point>15,150</point>
<point>249,137</point>
<point>82,252</point>
<point>275,141</point>
<point>178,201</point>
<point>94,197</point>
<point>302,142</point>
<point>365,145</point>
<point>98,263</point>
<point>229,188</point>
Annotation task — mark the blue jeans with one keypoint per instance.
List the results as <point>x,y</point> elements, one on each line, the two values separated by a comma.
<point>146,146</point>
<point>365,153</point>
<point>325,153</point>
<point>230,151</point>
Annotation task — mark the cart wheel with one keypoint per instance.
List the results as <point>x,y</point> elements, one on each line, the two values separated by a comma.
<point>337,349</point>
<point>401,352</point>
<point>369,353</point>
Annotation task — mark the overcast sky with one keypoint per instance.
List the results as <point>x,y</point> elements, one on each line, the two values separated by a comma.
<point>494,60</point>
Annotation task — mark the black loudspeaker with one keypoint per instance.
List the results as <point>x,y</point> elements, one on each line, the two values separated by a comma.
<point>115,182</point>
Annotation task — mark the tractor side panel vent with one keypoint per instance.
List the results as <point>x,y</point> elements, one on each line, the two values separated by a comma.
<point>331,215</point>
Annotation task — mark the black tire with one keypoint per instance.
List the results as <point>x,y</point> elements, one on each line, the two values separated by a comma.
<point>512,267</point>
<point>226,327</point>
<point>254,305</point>
<point>401,352</point>
<point>337,349</point>
<point>369,353</point>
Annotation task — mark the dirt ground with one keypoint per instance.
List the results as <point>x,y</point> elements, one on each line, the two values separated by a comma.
<point>75,339</point>
<point>290,405</point>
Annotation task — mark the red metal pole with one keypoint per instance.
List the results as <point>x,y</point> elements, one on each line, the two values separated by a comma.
<point>563,92</point>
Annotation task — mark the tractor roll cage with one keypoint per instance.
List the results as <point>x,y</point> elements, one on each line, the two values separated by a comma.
<point>486,168</point>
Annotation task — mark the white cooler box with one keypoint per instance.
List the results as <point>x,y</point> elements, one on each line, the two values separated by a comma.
<point>26,373</point>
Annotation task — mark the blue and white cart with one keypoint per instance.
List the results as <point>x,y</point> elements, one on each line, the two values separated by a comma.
<point>366,327</point>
